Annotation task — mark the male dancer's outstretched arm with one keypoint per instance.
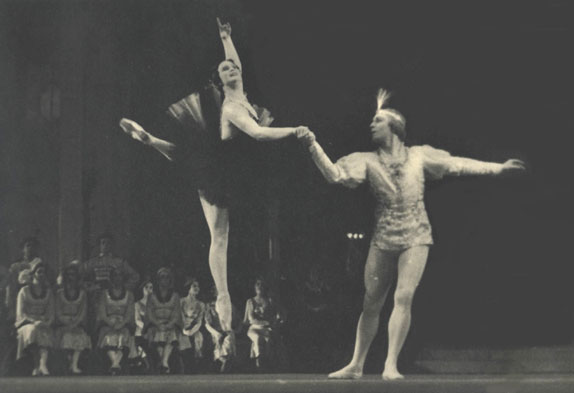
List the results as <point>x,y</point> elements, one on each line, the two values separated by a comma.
<point>337,173</point>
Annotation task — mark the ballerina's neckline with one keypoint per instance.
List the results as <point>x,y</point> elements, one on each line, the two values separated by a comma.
<point>244,103</point>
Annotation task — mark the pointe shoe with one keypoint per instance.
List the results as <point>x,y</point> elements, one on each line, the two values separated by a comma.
<point>35,372</point>
<point>134,130</point>
<point>345,373</point>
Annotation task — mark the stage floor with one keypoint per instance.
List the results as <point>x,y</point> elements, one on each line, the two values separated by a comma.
<point>295,383</point>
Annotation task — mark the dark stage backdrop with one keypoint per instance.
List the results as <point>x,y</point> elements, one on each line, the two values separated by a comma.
<point>488,80</point>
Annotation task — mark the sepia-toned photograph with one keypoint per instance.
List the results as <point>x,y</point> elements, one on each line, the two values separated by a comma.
<point>286,196</point>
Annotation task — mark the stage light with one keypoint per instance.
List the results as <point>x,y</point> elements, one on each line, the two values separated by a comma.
<point>361,235</point>
<point>349,235</point>
<point>355,236</point>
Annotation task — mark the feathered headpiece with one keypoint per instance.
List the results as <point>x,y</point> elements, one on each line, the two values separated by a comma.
<point>382,98</point>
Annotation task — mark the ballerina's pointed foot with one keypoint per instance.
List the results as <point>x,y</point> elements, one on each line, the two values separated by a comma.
<point>129,126</point>
<point>348,372</point>
<point>392,374</point>
<point>134,130</point>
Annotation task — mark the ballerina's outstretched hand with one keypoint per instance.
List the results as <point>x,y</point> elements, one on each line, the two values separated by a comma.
<point>224,29</point>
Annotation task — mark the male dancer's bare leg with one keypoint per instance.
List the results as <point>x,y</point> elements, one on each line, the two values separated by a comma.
<point>412,263</point>
<point>218,223</point>
<point>380,271</point>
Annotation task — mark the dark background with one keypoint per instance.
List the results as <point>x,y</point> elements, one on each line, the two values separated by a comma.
<point>489,80</point>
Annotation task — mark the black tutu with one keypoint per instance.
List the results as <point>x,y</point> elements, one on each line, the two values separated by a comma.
<point>225,173</point>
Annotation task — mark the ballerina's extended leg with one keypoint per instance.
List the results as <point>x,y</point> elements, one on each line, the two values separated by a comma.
<point>218,223</point>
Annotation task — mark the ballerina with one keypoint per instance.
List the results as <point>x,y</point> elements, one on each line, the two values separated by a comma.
<point>402,234</point>
<point>223,133</point>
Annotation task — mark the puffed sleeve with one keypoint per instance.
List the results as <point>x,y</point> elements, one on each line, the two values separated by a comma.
<point>352,170</point>
<point>438,163</point>
<point>349,171</point>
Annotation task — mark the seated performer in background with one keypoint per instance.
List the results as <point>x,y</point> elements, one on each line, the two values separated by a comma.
<point>192,314</point>
<point>96,275</point>
<point>71,309</point>
<point>164,318</point>
<point>402,234</point>
<point>141,343</point>
<point>28,260</point>
<point>225,159</point>
<point>263,318</point>
<point>34,318</point>
<point>116,321</point>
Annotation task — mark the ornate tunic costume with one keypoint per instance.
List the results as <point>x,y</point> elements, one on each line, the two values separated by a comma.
<point>401,220</point>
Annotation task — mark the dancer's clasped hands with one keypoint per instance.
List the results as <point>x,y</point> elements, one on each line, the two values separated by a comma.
<point>305,135</point>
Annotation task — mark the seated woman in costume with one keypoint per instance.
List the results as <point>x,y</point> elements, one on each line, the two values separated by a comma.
<point>71,309</point>
<point>34,318</point>
<point>164,318</point>
<point>263,318</point>
<point>116,321</point>
<point>192,314</point>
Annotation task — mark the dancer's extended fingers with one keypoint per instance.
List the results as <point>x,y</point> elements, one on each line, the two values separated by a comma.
<point>224,28</point>
<point>516,164</point>
<point>519,163</point>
